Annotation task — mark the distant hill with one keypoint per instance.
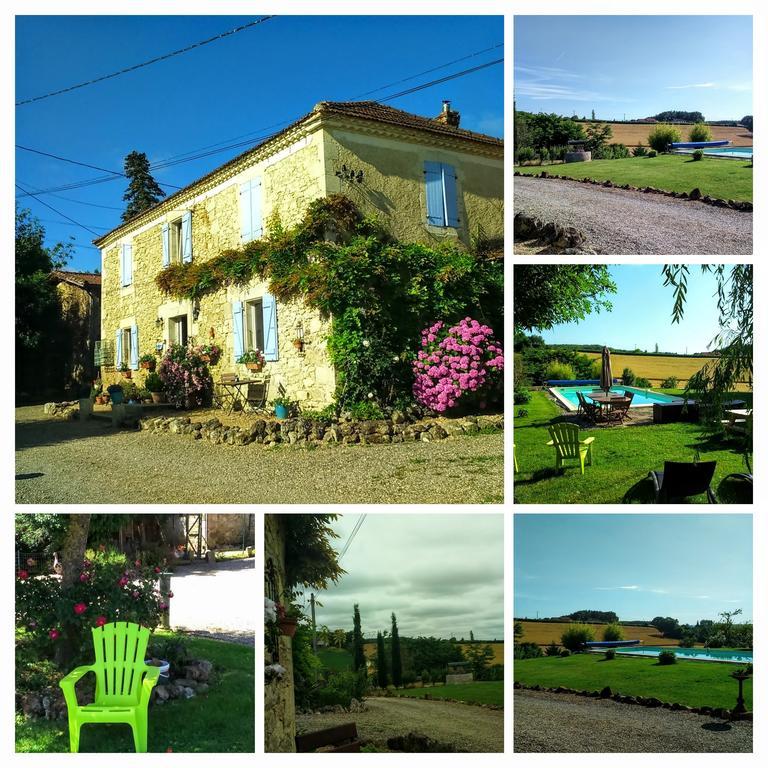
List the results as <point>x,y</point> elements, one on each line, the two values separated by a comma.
<point>634,134</point>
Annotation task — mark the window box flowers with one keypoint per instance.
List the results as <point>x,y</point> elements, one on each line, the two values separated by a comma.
<point>253,360</point>
<point>148,362</point>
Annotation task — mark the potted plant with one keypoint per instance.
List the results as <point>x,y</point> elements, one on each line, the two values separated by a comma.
<point>148,362</point>
<point>125,370</point>
<point>156,388</point>
<point>299,344</point>
<point>285,622</point>
<point>282,406</point>
<point>253,360</point>
<point>209,353</point>
<point>115,393</point>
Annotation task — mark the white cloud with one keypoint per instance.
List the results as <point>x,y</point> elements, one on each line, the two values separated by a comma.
<point>692,85</point>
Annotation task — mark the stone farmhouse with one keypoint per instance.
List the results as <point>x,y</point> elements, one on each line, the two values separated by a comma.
<point>426,179</point>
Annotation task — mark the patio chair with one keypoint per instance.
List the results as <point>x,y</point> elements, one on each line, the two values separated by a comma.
<point>223,398</point>
<point>123,683</point>
<point>618,410</point>
<point>256,396</point>
<point>681,480</point>
<point>565,440</point>
<point>591,411</point>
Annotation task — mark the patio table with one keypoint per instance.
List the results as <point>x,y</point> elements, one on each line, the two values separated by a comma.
<point>232,392</point>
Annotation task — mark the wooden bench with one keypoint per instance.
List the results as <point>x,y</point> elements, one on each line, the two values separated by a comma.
<point>342,738</point>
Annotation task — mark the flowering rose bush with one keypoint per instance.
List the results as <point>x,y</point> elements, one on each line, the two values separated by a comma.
<point>457,365</point>
<point>185,375</point>
<point>113,590</point>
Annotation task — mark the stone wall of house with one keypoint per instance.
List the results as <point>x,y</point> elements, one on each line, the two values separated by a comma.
<point>393,187</point>
<point>289,185</point>
<point>231,530</point>
<point>79,309</point>
<point>279,708</point>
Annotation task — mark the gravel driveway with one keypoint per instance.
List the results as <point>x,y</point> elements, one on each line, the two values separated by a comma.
<point>620,221</point>
<point>467,727</point>
<point>89,462</point>
<point>561,722</point>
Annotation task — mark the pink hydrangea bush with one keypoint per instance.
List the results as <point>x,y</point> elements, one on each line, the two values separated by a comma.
<point>184,373</point>
<point>456,366</point>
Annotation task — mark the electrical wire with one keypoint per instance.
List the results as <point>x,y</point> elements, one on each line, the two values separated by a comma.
<point>351,538</point>
<point>133,68</point>
<point>42,202</point>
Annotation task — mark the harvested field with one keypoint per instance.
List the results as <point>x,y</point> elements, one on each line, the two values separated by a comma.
<point>634,134</point>
<point>544,632</point>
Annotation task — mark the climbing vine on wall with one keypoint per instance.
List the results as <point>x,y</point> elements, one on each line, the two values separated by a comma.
<point>379,291</point>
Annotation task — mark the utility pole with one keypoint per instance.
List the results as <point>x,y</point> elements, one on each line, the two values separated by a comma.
<point>314,627</point>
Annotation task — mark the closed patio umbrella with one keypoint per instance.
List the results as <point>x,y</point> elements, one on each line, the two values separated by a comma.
<point>606,375</point>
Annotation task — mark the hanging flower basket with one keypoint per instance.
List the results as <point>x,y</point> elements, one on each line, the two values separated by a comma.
<point>287,625</point>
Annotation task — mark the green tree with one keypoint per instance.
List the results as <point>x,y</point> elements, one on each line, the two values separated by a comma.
<point>551,294</point>
<point>143,191</point>
<point>613,632</point>
<point>576,637</point>
<point>471,636</point>
<point>746,121</point>
<point>480,658</point>
<point>727,624</point>
<point>700,132</point>
<point>358,654</point>
<point>381,661</point>
<point>397,661</point>
<point>662,136</point>
<point>597,137</point>
<point>518,630</point>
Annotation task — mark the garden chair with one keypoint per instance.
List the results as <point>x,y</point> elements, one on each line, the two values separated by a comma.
<point>591,411</point>
<point>565,439</point>
<point>618,410</point>
<point>256,395</point>
<point>123,683</point>
<point>682,479</point>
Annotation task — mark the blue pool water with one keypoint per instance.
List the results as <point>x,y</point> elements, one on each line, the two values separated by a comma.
<point>642,396</point>
<point>737,153</point>
<point>701,654</point>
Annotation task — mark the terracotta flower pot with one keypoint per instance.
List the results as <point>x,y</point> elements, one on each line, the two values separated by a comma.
<point>255,367</point>
<point>127,374</point>
<point>158,397</point>
<point>148,365</point>
<point>288,625</point>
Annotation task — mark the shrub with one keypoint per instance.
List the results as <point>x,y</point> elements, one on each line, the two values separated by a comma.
<point>462,364</point>
<point>641,381</point>
<point>525,154</point>
<point>522,396</point>
<point>366,410</point>
<point>662,136</point>
<point>613,631</point>
<point>698,154</point>
<point>544,154</point>
<point>640,151</point>
<point>670,382</point>
<point>619,151</point>
<point>425,678</point>
<point>610,654</point>
<point>527,651</point>
<point>185,376</point>
<point>557,370</point>
<point>687,642</point>
<point>576,636</point>
<point>552,649</point>
<point>628,377</point>
<point>651,153</point>
<point>700,132</point>
<point>564,652</point>
<point>154,383</point>
<point>717,640</point>
<point>667,657</point>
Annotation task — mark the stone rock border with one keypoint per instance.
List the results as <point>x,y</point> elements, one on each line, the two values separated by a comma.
<point>694,194</point>
<point>643,701</point>
<point>568,239</point>
<point>304,432</point>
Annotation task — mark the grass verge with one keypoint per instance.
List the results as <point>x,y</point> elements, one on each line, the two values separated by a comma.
<point>490,692</point>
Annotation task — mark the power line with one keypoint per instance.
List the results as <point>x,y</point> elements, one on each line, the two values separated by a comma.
<point>53,221</point>
<point>165,56</point>
<point>352,535</point>
<point>42,202</point>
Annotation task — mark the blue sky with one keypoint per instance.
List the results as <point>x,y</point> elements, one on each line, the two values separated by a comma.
<point>634,66</point>
<point>689,566</point>
<point>244,84</point>
<point>641,315</point>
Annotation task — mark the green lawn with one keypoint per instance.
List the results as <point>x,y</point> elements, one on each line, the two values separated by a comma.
<point>491,692</point>
<point>622,458</point>
<point>335,659</point>
<point>728,179</point>
<point>220,721</point>
<point>691,683</point>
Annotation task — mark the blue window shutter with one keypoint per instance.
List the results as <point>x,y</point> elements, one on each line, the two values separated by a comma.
<point>134,347</point>
<point>433,177</point>
<point>118,348</point>
<point>269,314</point>
<point>246,226</point>
<point>186,237</point>
<point>166,245</point>
<point>122,266</point>
<point>450,196</point>
<point>126,265</point>
<point>237,327</point>
<point>257,230</point>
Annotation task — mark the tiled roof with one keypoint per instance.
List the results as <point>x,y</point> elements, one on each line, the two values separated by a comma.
<point>363,110</point>
<point>80,278</point>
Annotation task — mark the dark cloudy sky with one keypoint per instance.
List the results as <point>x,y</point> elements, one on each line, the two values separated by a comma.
<point>442,574</point>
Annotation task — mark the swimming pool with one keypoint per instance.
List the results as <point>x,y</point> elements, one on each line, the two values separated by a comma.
<point>735,153</point>
<point>643,397</point>
<point>698,654</point>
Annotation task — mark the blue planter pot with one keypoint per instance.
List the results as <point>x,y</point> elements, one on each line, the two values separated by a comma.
<point>116,397</point>
<point>281,412</point>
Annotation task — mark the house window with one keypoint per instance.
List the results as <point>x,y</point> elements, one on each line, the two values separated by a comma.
<point>125,347</point>
<point>175,241</point>
<point>177,330</point>
<point>253,325</point>
<point>441,193</point>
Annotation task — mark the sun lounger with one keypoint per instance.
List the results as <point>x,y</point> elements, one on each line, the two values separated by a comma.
<point>681,480</point>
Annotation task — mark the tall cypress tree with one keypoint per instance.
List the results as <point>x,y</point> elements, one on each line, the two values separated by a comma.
<point>143,191</point>
<point>358,655</point>
<point>381,661</point>
<point>397,662</point>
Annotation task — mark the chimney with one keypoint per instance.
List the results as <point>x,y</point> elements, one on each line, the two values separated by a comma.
<point>448,116</point>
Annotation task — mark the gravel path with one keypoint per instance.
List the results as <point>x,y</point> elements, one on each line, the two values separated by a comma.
<point>620,221</point>
<point>89,462</point>
<point>561,722</point>
<point>467,727</point>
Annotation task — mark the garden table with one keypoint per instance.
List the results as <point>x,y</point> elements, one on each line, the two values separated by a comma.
<point>234,391</point>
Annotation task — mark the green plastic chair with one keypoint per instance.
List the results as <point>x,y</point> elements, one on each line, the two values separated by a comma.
<point>123,683</point>
<point>565,439</point>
